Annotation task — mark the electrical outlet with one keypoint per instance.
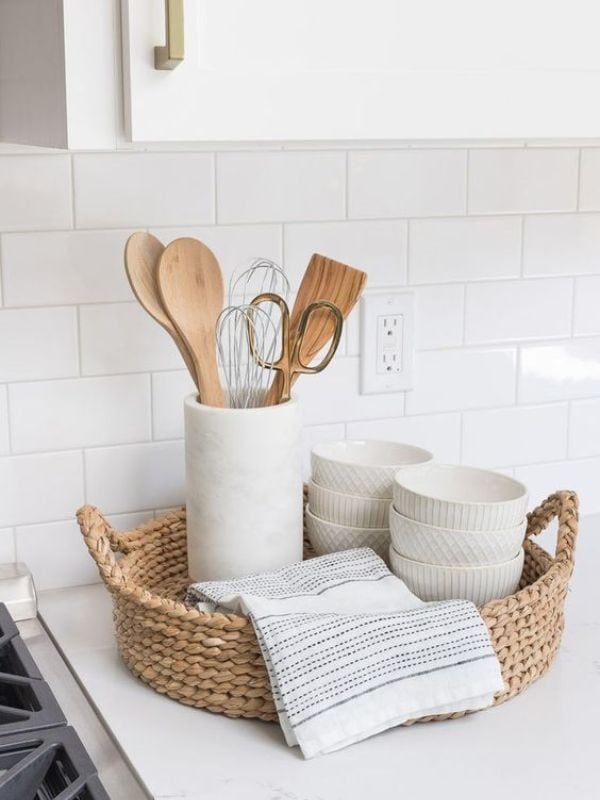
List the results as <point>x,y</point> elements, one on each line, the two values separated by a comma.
<point>387,323</point>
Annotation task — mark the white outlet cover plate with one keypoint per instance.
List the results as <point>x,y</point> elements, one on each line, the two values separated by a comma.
<point>385,369</point>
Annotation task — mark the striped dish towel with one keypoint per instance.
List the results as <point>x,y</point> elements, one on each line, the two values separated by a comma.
<point>351,652</point>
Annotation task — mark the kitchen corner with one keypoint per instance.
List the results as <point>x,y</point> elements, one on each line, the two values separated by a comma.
<point>299,400</point>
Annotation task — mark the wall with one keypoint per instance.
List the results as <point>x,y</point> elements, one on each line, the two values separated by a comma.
<point>501,245</point>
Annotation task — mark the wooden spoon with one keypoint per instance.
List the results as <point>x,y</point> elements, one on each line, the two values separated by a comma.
<point>324,279</point>
<point>142,254</point>
<point>191,288</point>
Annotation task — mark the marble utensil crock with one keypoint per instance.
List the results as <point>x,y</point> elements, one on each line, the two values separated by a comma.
<point>243,489</point>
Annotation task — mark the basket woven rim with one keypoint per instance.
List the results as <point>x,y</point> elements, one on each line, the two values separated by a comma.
<point>90,518</point>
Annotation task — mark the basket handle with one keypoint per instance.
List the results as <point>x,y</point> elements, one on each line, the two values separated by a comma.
<point>102,541</point>
<point>565,506</point>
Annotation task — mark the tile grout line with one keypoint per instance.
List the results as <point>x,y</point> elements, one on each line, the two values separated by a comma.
<point>38,306</point>
<point>72,185</point>
<point>450,217</point>
<point>522,249</point>
<point>573,305</point>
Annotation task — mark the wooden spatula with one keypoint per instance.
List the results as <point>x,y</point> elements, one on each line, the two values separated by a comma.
<point>324,279</point>
<point>142,254</point>
<point>191,289</point>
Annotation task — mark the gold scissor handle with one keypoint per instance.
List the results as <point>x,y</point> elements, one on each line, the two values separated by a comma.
<point>297,365</point>
<point>271,297</point>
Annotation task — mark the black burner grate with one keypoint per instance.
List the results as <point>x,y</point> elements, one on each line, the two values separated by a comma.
<point>40,758</point>
<point>26,701</point>
<point>43,765</point>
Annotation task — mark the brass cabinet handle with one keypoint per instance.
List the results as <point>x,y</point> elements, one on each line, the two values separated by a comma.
<point>171,55</point>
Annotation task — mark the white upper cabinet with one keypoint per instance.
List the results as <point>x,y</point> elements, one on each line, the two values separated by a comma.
<point>299,70</point>
<point>58,72</point>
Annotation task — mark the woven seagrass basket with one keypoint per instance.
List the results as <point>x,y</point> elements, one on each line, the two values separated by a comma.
<point>213,661</point>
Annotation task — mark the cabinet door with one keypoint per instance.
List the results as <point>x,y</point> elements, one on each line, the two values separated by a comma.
<point>364,69</point>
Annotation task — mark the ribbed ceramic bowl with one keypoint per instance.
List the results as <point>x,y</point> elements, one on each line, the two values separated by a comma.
<point>365,468</point>
<point>478,584</point>
<point>348,509</point>
<point>327,537</point>
<point>461,498</point>
<point>444,546</point>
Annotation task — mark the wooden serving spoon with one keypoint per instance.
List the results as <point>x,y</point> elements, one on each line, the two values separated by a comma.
<point>142,254</point>
<point>191,289</point>
<point>324,279</point>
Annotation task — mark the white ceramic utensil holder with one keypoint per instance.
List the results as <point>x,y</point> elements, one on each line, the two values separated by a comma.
<point>243,489</point>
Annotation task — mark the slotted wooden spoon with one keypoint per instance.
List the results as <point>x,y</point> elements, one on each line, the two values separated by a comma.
<point>324,279</point>
<point>142,254</point>
<point>191,289</point>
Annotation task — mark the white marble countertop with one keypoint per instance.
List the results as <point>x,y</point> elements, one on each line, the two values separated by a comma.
<point>542,744</point>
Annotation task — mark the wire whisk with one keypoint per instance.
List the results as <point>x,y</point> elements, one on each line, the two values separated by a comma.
<point>246,374</point>
<point>263,275</point>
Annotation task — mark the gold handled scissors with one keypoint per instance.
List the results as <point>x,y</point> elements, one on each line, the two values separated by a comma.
<point>290,361</point>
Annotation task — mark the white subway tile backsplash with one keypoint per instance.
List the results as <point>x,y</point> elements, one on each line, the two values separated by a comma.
<point>508,436</point>
<point>560,371</point>
<point>4,434</point>
<point>234,246</point>
<point>118,338</point>
<point>136,476</point>
<point>280,186</point>
<point>35,192</point>
<point>561,244</point>
<point>514,180</point>
<point>406,183</point>
<point>438,433</point>
<point>7,546</point>
<point>38,343</point>
<point>169,389</point>
<point>513,310</point>
<point>378,248</point>
<point>40,487</point>
<point>56,554</point>
<point>62,267</point>
<point>443,250</point>
<point>587,306</point>
<point>589,186</point>
<point>118,190</point>
<point>584,428</point>
<point>439,317</point>
<point>449,380</point>
<point>581,476</point>
<point>334,396</point>
<point>398,213</point>
<point>61,415</point>
<point>315,434</point>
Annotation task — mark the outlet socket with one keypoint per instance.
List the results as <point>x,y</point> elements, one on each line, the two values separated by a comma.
<point>387,324</point>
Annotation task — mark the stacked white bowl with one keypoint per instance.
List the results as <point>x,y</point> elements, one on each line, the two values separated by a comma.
<point>457,532</point>
<point>351,490</point>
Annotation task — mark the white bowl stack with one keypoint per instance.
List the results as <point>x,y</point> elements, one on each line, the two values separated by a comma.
<point>351,490</point>
<point>457,532</point>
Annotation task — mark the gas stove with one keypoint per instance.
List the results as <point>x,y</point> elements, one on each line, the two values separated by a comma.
<point>41,758</point>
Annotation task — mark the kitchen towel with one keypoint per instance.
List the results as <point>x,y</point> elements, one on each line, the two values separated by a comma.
<point>350,651</point>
